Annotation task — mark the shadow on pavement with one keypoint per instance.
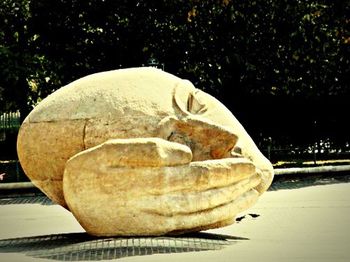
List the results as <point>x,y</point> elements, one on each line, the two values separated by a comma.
<point>81,246</point>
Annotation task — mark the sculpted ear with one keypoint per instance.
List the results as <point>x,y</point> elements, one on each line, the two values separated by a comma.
<point>187,99</point>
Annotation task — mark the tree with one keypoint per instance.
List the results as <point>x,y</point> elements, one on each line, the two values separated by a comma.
<point>23,77</point>
<point>291,55</point>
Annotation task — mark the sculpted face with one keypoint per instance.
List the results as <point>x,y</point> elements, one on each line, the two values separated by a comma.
<point>143,146</point>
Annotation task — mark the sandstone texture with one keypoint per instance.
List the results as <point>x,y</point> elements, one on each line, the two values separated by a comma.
<point>140,151</point>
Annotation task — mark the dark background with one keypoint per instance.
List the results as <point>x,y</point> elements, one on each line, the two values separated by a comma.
<point>281,66</point>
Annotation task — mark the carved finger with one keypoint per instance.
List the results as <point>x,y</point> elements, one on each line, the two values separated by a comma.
<point>204,175</point>
<point>88,172</point>
<point>212,218</point>
<point>266,178</point>
<point>135,152</point>
<point>182,204</point>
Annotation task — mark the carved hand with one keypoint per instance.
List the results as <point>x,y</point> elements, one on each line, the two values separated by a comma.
<point>149,186</point>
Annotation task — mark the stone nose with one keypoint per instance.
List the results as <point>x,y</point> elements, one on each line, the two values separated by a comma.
<point>206,139</point>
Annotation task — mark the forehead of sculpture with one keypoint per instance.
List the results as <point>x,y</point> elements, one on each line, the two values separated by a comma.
<point>136,91</point>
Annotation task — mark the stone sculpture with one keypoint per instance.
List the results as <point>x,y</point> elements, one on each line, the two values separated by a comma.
<point>140,151</point>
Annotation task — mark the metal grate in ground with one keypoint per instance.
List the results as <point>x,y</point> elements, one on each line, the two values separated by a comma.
<point>82,247</point>
<point>35,199</point>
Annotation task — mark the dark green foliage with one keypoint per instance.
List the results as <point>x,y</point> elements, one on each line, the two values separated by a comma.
<point>280,65</point>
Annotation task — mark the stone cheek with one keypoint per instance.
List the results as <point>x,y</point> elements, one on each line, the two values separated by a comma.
<point>43,150</point>
<point>100,130</point>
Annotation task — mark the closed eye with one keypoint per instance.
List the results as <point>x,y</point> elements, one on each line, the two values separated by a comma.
<point>194,105</point>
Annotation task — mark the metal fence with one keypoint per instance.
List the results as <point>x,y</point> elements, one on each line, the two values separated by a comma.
<point>10,120</point>
<point>313,152</point>
<point>9,123</point>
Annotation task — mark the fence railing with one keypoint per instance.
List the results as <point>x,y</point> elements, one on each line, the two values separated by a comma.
<point>10,120</point>
<point>320,150</point>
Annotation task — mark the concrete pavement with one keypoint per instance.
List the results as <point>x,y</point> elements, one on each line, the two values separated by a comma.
<point>305,224</point>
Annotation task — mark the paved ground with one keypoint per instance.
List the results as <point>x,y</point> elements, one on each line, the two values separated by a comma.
<point>310,223</point>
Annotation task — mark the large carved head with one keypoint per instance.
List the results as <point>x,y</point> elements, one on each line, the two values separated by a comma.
<point>127,103</point>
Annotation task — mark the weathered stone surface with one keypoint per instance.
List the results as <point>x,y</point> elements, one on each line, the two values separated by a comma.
<point>141,152</point>
<point>110,194</point>
<point>44,148</point>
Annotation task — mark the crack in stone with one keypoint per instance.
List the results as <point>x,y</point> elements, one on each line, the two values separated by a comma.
<point>84,133</point>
